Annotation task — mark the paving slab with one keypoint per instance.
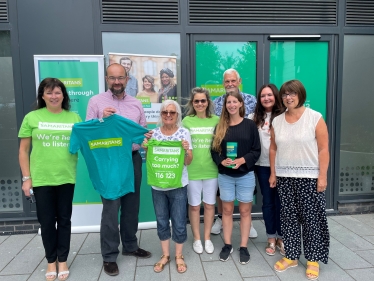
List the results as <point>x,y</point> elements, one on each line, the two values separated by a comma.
<point>86,267</point>
<point>221,271</point>
<point>147,273</point>
<point>366,274</point>
<point>365,218</point>
<point>10,248</point>
<point>76,242</point>
<point>354,225</point>
<point>15,278</point>
<point>264,278</point>
<point>369,238</point>
<point>344,257</point>
<point>367,255</point>
<point>348,238</point>
<point>91,244</point>
<point>3,238</point>
<point>27,259</point>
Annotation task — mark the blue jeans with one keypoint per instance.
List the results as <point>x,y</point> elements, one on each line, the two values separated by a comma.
<point>270,203</point>
<point>171,204</point>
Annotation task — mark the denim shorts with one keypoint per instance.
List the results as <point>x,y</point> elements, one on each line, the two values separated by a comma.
<point>240,188</point>
<point>171,204</point>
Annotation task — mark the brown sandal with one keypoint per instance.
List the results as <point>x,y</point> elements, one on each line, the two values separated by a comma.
<point>161,265</point>
<point>179,265</point>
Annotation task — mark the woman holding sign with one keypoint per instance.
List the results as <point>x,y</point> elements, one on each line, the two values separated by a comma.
<point>50,170</point>
<point>202,172</point>
<point>235,149</point>
<point>168,177</point>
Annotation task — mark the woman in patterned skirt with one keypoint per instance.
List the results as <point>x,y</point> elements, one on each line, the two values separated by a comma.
<point>299,159</point>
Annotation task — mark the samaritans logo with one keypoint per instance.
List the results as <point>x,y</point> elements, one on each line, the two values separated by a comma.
<point>146,101</point>
<point>202,131</point>
<point>105,143</point>
<point>217,90</point>
<point>166,150</point>
<point>72,82</point>
<point>55,126</point>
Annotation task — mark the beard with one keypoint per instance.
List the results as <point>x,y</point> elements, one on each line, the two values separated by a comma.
<point>117,92</point>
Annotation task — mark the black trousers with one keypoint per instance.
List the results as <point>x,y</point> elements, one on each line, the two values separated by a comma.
<point>54,204</point>
<point>129,206</point>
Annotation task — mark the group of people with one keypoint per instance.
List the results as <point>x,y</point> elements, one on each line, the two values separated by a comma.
<point>227,143</point>
<point>168,88</point>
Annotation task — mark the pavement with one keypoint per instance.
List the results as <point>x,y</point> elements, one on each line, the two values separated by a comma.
<point>351,257</point>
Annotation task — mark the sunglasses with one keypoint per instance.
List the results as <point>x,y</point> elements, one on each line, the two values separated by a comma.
<point>171,113</point>
<point>198,101</point>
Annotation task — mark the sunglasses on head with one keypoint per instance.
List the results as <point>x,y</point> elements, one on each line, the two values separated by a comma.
<point>171,113</point>
<point>198,101</point>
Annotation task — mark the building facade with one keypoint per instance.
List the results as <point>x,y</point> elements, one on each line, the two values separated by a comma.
<point>327,44</point>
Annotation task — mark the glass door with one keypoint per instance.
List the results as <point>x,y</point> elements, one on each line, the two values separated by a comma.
<point>213,54</point>
<point>260,60</point>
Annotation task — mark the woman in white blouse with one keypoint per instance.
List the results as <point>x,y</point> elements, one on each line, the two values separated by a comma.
<point>299,159</point>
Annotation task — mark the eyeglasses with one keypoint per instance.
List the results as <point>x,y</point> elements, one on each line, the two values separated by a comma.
<point>292,95</point>
<point>166,113</point>
<point>198,101</point>
<point>120,78</point>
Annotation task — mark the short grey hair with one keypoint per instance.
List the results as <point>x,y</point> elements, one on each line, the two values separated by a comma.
<point>231,70</point>
<point>164,105</point>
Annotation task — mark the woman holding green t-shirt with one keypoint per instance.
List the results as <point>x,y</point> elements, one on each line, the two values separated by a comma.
<point>202,172</point>
<point>50,170</point>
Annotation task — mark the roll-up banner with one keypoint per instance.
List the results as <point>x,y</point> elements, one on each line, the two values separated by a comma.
<point>83,76</point>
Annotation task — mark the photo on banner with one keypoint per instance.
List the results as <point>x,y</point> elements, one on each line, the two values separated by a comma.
<point>152,79</point>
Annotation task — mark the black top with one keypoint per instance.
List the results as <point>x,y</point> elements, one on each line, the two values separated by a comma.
<point>249,147</point>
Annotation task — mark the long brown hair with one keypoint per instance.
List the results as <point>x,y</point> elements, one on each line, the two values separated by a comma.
<point>260,113</point>
<point>224,122</point>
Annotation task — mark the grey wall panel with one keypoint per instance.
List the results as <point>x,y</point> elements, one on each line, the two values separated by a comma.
<point>51,27</point>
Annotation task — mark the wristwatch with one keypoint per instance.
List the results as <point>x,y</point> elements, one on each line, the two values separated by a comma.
<point>26,178</point>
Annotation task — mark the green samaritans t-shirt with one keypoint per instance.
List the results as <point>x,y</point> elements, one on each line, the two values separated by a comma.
<point>201,129</point>
<point>51,163</point>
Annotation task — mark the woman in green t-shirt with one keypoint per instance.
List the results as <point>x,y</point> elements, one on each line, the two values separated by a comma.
<point>49,171</point>
<point>202,173</point>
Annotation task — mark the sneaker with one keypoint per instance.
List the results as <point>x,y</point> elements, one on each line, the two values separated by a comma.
<point>244,255</point>
<point>252,232</point>
<point>225,252</point>
<point>209,247</point>
<point>217,226</point>
<point>197,247</point>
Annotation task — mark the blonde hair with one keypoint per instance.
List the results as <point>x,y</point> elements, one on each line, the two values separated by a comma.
<point>224,122</point>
